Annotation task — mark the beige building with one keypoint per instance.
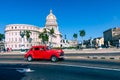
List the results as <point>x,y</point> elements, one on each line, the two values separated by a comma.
<point>98,41</point>
<point>13,39</point>
<point>112,36</point>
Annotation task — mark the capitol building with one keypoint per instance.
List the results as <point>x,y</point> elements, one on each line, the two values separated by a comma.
<point>13,39</point>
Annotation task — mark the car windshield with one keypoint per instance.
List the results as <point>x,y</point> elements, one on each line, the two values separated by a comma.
<point>48,48</point>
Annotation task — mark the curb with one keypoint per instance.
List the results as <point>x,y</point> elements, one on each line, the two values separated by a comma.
<point>94,57</point>
<point>104,57</point>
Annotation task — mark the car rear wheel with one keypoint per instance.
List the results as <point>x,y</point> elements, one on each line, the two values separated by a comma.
<point>54,59</point>
<point>29,58</point>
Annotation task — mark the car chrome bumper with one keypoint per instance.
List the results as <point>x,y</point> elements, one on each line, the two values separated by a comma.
<point>61,57</point>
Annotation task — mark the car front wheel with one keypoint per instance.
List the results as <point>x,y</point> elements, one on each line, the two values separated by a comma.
<point>29,58</point>
<point>54,59</point>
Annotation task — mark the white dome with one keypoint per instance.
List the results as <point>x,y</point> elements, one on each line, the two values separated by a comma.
<point>51,16</point>
<point>51,20</point>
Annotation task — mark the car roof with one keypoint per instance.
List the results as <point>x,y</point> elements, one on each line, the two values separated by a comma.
<point>39,46</point>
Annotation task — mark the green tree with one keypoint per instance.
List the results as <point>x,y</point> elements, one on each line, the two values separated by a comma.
<point>44,36</point>
<point>65,36</point>
<point>27,34</point>
<point>51,32</point>
<point>2,36</point>
<point>82,34</point>
<point>75,36</point>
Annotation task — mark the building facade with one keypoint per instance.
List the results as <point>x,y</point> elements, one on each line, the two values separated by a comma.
<point>2,46</point>
<point>98,41</point>
<point>13,39</point>
<point>51,22</point>
<point>112,36</point>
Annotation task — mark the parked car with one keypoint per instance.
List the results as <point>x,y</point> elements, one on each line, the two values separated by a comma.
<point>44,52</point>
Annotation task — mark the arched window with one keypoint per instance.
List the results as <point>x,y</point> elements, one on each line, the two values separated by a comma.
<point>15,46</point>
<point>20,39</point>
<point>15,33</point>
<point>16,39</point>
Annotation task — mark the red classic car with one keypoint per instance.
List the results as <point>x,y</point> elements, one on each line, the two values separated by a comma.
<point>44,52</point>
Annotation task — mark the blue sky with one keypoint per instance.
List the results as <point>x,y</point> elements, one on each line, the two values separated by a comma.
<point>94,16</point>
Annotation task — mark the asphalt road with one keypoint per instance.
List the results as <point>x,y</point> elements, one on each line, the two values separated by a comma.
<point>85,62</point>
<point>62,72</point>
<point>93,54</point>
<point>14,67</point>
<point>55,72</point>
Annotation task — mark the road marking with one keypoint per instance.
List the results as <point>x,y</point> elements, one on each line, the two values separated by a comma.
<point>24,70</point>
<point>21,70</point>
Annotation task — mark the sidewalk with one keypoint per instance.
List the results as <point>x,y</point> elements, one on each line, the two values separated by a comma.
<point>102,50</point>
<point>94,57</point>
<point>72,51</point>
<point>11,52</point>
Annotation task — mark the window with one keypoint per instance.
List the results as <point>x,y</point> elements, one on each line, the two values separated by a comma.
<point>41,49</point>
<point>20,39</point>
<point>36,48</point>
<point>16,39</point>
<point>16,33</point>
<point>11,45</point>
<point>12,40</point>
<point>16,46</point>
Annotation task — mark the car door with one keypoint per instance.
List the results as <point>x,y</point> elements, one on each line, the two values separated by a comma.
<point>42,53</point>
<point>46,53</point>
<point>36,52</point>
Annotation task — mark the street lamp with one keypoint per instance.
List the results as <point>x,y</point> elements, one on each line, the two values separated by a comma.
<point>22,34</point>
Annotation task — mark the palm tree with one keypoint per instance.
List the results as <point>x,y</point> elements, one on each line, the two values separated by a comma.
<point>65,36</point>
<point>51,34</point>
<point>41,36</point>
<point>1,37</point>
<point>82,34</point>
<point>44,36</point>
<point>75,36</point>
<point>27,34</point>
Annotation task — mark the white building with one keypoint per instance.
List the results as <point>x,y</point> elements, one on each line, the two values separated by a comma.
<point>13,39</point>
<point>52,23</point>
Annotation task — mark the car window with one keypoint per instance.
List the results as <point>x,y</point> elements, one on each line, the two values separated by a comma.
<point>41,49</point>
<point>36,49</point>
<point>48,48</point>
<point>32,49</point>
